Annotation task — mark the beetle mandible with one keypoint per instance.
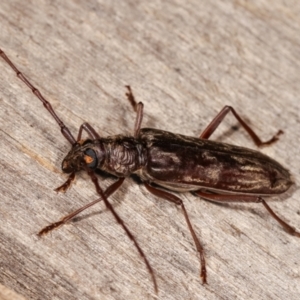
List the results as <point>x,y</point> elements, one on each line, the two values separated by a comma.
<point>166,162</point>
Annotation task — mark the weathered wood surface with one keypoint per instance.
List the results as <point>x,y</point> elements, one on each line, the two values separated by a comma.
<point>185,60</point>
<point>7,294</point>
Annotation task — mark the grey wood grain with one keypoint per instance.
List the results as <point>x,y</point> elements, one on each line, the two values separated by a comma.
<point>185,60</point>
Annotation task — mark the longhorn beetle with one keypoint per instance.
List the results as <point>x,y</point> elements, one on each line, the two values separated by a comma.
<point>164,161</point>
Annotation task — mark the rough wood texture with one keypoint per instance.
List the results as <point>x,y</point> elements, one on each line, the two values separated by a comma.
<point>185,60</point>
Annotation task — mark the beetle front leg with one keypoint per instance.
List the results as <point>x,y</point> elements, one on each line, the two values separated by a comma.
<point>63,188</point>
<point>90,131</point>
<point>209,130</point>
<point>110,190</point>
<point>174,199</point>
<point>138,108</point>
<point>248,199</point>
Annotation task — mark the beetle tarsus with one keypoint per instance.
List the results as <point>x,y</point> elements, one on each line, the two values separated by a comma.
<point>65,186</point>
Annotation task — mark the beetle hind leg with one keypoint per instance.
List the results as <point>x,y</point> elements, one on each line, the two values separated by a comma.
<point>248,199</point>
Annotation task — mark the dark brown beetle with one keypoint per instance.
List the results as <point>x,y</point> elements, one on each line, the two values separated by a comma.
<point>215,171</point>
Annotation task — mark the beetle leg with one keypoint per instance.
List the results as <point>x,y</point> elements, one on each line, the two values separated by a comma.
<point>90,131</point>
<point>110,190</point>
<point>174,199</point>
<point>131,98</point>
<point>138,108</point>
<point>247,199</point>
<point>213,125</point>
<point>138,120</point>
<point>67,184</point>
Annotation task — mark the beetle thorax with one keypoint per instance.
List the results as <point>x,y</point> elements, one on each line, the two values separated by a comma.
<point>123,155</point>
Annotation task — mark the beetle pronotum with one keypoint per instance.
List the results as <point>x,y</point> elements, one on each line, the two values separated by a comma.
<point>215,171</point>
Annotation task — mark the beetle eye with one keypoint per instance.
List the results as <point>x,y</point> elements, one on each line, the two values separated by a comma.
<point>90,158</point>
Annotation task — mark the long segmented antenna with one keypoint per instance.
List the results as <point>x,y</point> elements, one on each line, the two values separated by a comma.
<point>64,129</point>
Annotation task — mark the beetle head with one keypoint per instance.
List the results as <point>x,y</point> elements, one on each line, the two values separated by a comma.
<point>83,154</point>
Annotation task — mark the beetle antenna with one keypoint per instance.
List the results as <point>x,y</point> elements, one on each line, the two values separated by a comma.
<point>63,128</point>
